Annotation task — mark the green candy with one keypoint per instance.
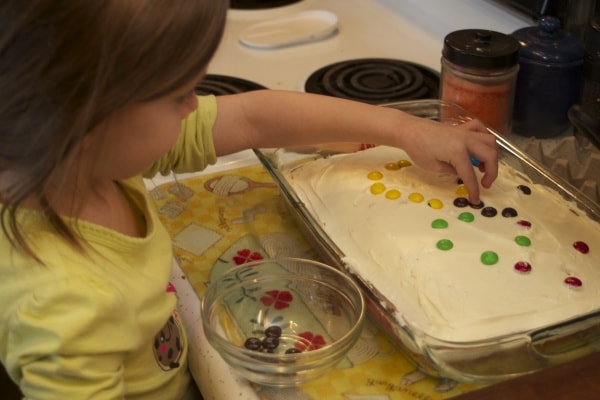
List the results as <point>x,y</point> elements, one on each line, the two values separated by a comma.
<point>489,258</point>
<point>522,240</point>
<point>444,244</point>
<point>439,224</point>
<point>466,217</point>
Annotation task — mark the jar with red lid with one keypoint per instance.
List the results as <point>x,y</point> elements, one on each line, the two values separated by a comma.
<point>479,73</point>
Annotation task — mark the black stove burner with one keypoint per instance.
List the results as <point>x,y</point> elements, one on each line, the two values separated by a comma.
<point>259,4</point>
<point>221,84</point>
<point>375,81</point>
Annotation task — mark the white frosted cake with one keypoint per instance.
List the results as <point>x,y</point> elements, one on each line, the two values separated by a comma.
<point>526,259</point>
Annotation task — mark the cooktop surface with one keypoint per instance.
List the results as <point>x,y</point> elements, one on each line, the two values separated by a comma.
<point>375,80</point>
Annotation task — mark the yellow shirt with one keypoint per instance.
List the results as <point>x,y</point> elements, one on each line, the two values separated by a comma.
<point>101,325</point>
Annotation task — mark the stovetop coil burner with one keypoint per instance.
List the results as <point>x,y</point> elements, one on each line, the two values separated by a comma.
<point>222,84</point>
<point>259,4</point>
<point>375,81</point>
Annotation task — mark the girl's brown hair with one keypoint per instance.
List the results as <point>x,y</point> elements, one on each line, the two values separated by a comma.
<point>65,65</point>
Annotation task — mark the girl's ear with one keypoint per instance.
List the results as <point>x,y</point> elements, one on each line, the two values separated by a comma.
<point>88,141</point>
<point>91,138</point>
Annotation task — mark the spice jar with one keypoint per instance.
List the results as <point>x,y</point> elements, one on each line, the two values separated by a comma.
<point>550,78</point>
<point>479,71</point>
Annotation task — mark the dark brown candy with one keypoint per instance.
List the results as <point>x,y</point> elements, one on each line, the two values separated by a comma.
<point>273,330</point>
<point>478,206</point>
<point>525,189</point>
<point>461,202</point>
<point>489,212</point>
<point>509,212</point>
<point>253,343</point>
<point>270,342</point>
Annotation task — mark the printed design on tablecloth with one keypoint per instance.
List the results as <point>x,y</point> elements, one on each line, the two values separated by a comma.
<point>196,239</point>
<point>229,185</point>
<point>249,214</point>
<point>172,209</point>
<point>246,255</point>
<point>311,341</point>
<point>279,299</point>
<point>257,309</point>
<point>273,302</point>
<point>416,376</point>
<point>282,245</point>
<point>251,248</point>
<point>181,191</point>
<point>442,386</point>
<point>157,194</point>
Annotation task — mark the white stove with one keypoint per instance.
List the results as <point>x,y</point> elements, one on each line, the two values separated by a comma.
<point>409,30</point>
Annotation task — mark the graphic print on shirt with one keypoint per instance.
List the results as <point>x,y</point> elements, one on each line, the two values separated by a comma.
<point>168,346</point>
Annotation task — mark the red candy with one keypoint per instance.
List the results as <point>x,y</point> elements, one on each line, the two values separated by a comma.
<point>573,282</point>
<point>582,247</point>
<point>523,267</point>
<point>524,223</point>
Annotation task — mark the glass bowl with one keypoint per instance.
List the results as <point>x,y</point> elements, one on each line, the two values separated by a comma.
<point>282,322</point>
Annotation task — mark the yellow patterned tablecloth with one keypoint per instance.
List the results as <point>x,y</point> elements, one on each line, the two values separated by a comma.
<point>224,219</point>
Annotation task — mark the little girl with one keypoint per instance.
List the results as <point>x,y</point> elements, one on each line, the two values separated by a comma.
<point>95,95</point>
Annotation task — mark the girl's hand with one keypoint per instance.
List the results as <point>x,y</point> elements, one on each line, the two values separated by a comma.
<point>453,149</point>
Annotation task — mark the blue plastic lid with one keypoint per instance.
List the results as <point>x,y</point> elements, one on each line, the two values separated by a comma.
<point>547,43</point>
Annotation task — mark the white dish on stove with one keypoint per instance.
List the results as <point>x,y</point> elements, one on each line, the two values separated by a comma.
<point>303,27</point>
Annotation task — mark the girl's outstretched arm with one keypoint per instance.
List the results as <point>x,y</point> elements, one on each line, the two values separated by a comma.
<point>271,118</point>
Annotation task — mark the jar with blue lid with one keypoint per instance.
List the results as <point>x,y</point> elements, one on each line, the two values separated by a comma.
<point>549,81</point>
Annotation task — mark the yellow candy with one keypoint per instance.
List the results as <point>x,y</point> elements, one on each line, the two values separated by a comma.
<point>377,188</point>
<point>392,166</point>
<point>375,175</point>
<point>392,194</point>
<point>462,191</point>
<point>435,204</point>
<point>416,197</point>
<point>404,163</point>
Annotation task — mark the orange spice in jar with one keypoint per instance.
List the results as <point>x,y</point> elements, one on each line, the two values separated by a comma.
<point>479,73</point>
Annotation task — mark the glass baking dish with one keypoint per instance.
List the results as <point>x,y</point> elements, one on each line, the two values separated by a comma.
<point>480,361</point>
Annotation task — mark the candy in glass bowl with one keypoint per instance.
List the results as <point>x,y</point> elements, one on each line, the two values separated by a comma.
<point>282,322</point>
